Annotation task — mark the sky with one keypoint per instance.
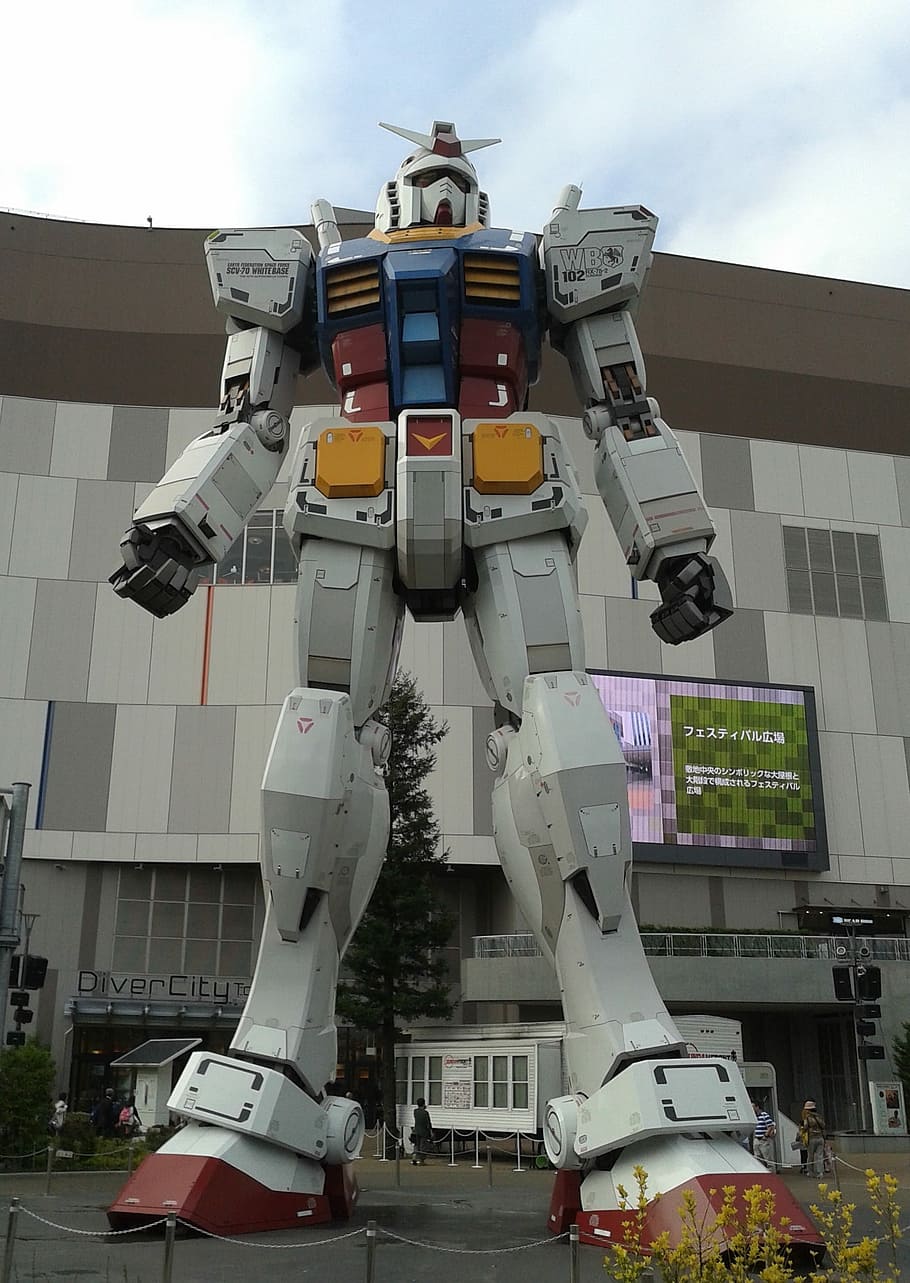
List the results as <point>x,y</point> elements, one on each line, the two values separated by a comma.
<point>775,134</point>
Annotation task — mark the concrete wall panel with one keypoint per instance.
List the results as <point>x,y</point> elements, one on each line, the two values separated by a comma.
<point>142,768</point>
<point>121,650</point>
<point>202,768</point>
<point>79,767</point>
<point>82,440</point>
<point>104,510</point>
<point>43,527</point>
<point>61,640</point>
<point>16,618</point>
<point>26,435</point>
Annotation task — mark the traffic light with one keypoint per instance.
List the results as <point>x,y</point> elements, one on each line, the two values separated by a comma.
<point>868,983</point>
<point>18,999</point>
<point>870,1051</point>
<point>14,969</point>
<point>34,973</point>
<point>23,1016</point>
<point>15,1038</point>
<point>871,1011</point>
<point>865,1028</point>
<point>843,985</point>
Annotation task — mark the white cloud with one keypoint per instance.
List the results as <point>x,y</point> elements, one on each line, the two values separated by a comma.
<point>771,134</point>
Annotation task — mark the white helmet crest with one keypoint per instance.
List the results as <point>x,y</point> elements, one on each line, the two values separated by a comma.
<point>436,185</point>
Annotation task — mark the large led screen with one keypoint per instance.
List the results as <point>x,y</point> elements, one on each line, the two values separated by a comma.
<point>719,773</point>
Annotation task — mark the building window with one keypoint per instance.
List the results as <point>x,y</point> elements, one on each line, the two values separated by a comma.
<point>834,572</point>
<point>502,1080</point>
<point>198,921</point>
<point>261,555</point>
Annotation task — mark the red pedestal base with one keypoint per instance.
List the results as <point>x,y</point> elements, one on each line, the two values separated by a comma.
<point>565,1201</point>
<point>211,1195</point>
<point>601,1228</point>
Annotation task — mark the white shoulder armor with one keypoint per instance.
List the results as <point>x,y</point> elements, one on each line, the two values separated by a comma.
<point>595,260</point>
<point>260,274</point>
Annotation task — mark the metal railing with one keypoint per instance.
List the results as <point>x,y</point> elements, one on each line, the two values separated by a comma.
<point>692,944</point>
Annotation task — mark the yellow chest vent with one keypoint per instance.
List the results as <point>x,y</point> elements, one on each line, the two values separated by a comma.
<point>351,287</point>
<point>492,278</point>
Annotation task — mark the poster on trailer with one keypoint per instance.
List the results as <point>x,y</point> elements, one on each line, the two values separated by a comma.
<point>889,1117</point>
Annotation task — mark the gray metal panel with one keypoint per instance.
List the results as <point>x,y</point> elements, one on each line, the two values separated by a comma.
<point>726,469</point>
<point>483,776</point>
<point>79,767</point>
<point>902,473</point>
<point>889,660</point>
<point>61,641</point>
<point>26,435</point>
<point>203,761</point>
<point>740,651</point>
<point>758,554</point>
<point>138,443</point>
<point>104,509</point>
<point>91,907</point>
<point>631,642</point>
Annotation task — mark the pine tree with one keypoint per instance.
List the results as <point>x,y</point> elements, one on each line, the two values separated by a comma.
<point>394,970</point>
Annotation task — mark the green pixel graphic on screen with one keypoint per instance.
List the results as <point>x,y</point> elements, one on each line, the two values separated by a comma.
<point>741,768</point>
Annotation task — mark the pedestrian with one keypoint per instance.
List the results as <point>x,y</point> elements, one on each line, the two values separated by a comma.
<point>763,1137</point>
<point>422,1135</point>
<point>128,1120</point>
<point>106,1113</point>
<point>812,1138</point>
<point>58,1117</point>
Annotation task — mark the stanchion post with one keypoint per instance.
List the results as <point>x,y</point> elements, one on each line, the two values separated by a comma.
<point>452,1162</point>
<point>476,1146</point>
<point>573,1253</point>
<point>371,1250</point>
<point>170,1234</point>
<point>519,1168</point>
<point>9,1249</point>
<point>385,1133</point>
<point>51,1151</point>
<point>129,1158</point>
<point>398,1161</point>
<point>490,1166</point>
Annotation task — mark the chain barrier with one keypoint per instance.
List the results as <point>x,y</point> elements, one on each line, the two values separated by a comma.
<point>69,1229</point>
<point>471,1251</point>
<point>273,1247</point>
<point>33,1154</point>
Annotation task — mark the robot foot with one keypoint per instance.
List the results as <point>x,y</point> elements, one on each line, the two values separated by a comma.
<point>226,1183</point>
<point>593,1203</point>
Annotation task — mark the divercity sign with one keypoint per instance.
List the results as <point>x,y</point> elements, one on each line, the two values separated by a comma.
<point>223,990</point>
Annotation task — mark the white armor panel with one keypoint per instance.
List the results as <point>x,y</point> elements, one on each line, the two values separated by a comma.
<point>250,1098</point>
<point>429,512</point>
<point>523,615</point>
<point>560,818</point>
<point>598,343</point>
<point>325,825</point>
<point>595,259</point>
<point>257,362</point>
<point>213,487</point>
<point>349,621</point>
<point>651,498</point>
<point>260,274</point>
<point>654,1097</point>
<point>313,508</point>
<point>555,504</point>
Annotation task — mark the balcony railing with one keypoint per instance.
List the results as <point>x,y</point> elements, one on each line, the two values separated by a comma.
<point>690,944</point>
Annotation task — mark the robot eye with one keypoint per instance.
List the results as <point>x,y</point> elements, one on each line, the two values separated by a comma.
<point>430,176</point>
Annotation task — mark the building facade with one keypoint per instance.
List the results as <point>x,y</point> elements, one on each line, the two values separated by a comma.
<point>144,740</point>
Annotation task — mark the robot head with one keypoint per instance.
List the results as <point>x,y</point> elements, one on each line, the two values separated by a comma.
<point>435,185</point>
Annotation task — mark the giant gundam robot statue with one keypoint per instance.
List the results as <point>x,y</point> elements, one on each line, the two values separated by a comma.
<point>434,490</point>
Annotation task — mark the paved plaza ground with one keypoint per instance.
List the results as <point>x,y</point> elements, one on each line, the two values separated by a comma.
<point>441,1224</point>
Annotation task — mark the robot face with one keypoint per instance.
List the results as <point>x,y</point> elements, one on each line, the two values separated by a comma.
<point>435,186</point>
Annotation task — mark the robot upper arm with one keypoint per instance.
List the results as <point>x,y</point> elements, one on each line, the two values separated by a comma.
<point>261,276</point>
<point>595,260</point>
